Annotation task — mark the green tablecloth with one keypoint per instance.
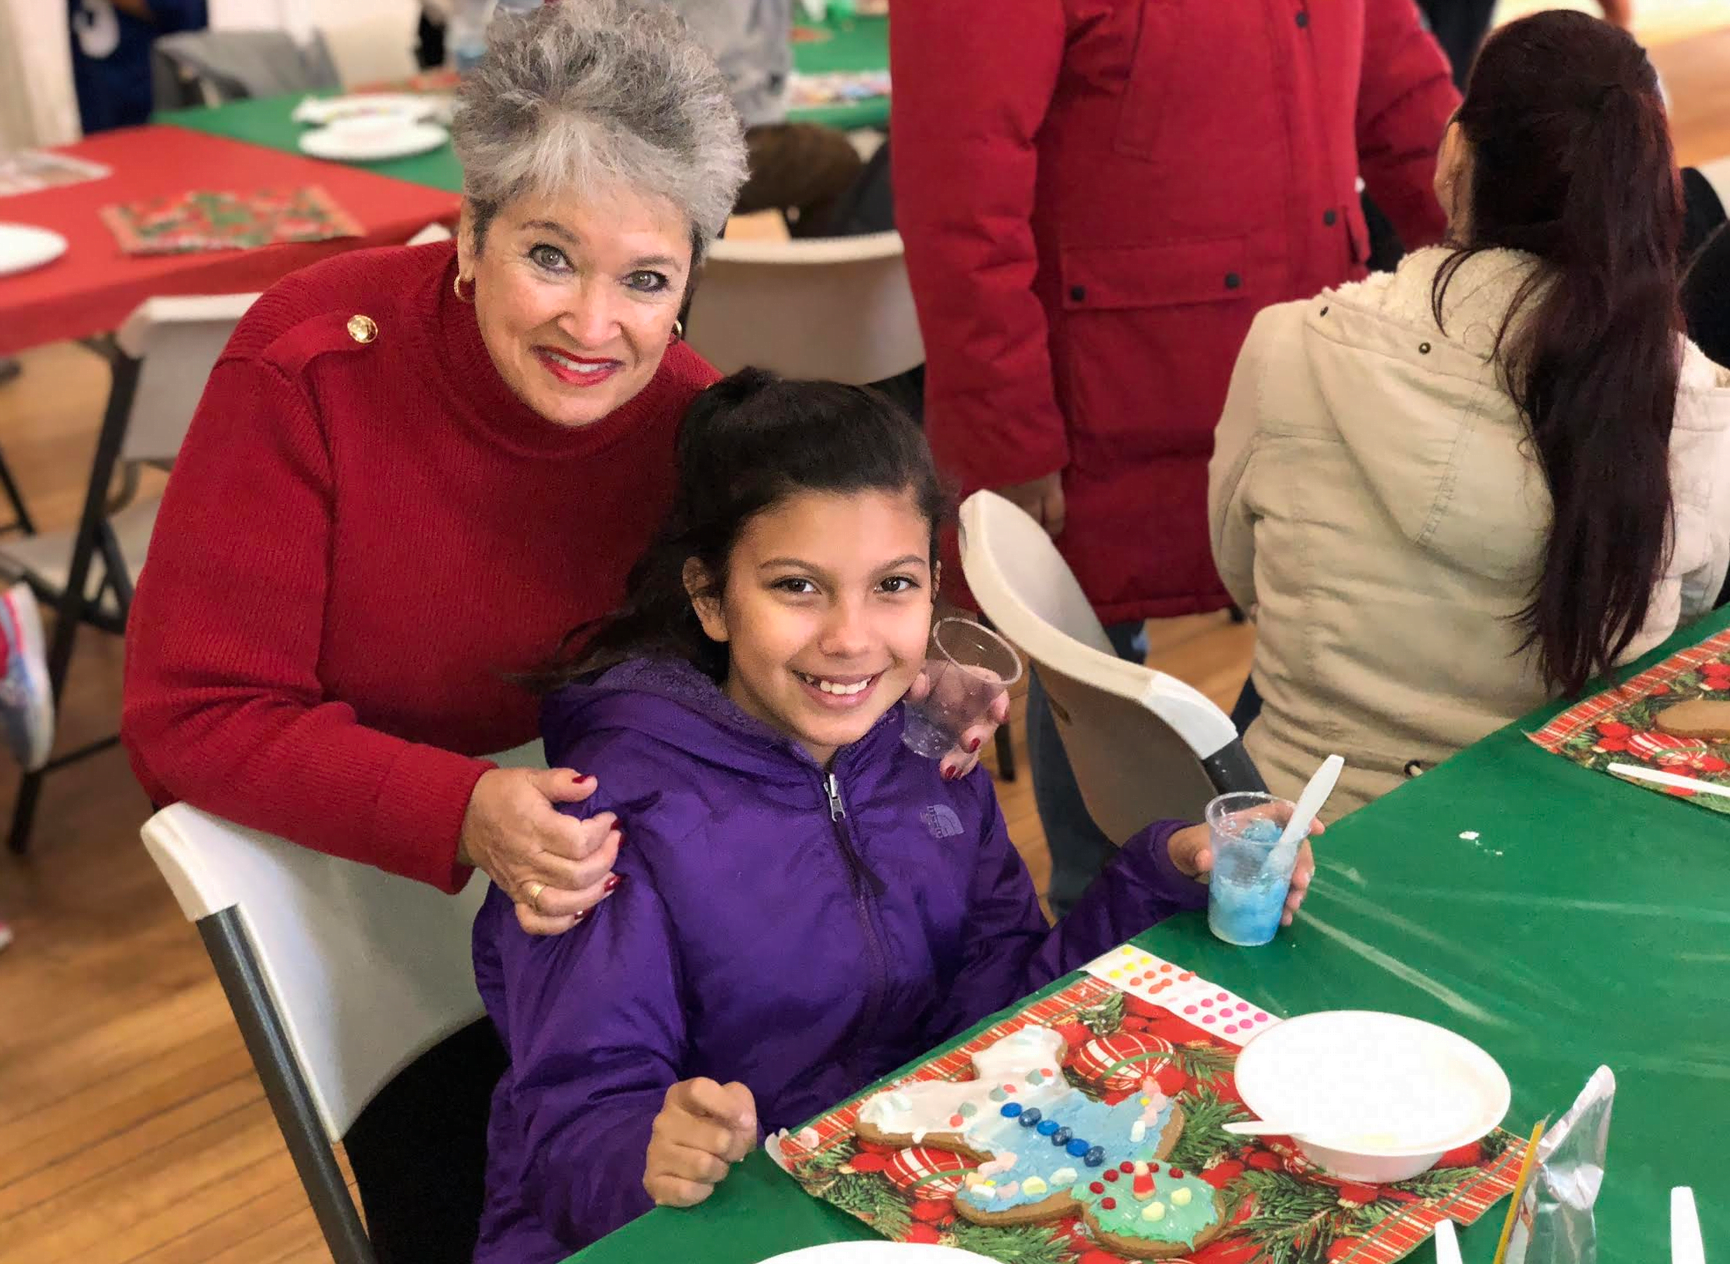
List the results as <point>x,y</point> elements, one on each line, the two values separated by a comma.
<point>1588,923</point>
<point>854,44</point>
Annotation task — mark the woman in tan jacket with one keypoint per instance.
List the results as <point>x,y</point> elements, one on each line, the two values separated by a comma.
<point>1450,492</point>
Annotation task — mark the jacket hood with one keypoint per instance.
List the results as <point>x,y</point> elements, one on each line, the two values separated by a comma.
<point>674,704</point>
<point>1422,410</point>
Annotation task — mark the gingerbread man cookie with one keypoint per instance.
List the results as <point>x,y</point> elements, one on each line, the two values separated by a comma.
<point>1047,1151</point>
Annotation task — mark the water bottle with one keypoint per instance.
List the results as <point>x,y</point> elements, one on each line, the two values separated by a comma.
<point>468,32</point>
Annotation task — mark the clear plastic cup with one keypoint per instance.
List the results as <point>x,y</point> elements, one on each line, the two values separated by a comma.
<point>969,667</point>
<point>1246,892</point>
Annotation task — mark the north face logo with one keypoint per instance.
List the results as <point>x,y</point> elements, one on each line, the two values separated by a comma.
<point>942,821</point>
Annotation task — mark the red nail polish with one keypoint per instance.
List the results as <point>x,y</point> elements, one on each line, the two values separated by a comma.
<point>973,746</point>
<point>949,774</point>
<point>610,884</point>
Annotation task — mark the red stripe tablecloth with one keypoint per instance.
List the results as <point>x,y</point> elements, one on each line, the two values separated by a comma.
<point>93,286</point>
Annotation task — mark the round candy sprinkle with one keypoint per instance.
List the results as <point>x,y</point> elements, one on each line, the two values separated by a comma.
<point>1030,1116</point>
<point>1077,1147</point>
<point>1096,1187</point>
<point>1177,1173</point>
<point>1110,1204</point>
<point>1154,1168</point>
<point>1035,1077</point>
<point>1189,1009</point>
<point>1111,1174</point>
<point>1011,1109</point>
<point>997,1095</point>
<point>1045,1127</point>
<point>1094,1157</point>
<point>968,1110</point>
<point>1061,1137</point>
<point>955,1121</point>
<point>1126,1166</point>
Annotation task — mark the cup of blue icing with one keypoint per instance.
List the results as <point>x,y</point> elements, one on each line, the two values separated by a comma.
<point>1246,893</point>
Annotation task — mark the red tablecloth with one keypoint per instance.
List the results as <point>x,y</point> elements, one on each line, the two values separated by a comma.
<point>93,286</point>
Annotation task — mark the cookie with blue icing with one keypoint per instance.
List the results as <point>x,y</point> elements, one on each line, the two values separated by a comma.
<point>1047,1150</point>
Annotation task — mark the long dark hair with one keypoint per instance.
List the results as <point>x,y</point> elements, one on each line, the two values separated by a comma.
<point>747,444</point>
<point>1571,162</point>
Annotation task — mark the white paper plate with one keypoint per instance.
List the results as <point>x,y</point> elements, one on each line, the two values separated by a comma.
<point>23,247</point>
<point>877,1253</point>
<point>1380,1087</point>
<point>355,143</point>
<point>317,111</point>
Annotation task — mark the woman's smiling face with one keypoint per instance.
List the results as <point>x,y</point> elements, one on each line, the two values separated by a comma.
<point>577,297</point>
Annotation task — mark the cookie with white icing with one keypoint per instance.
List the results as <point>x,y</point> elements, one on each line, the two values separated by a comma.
<point>1047,1151</point>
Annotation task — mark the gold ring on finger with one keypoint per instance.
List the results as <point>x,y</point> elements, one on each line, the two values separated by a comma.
<point>534,894</point>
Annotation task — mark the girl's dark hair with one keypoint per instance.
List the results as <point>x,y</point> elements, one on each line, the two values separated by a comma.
<point>748,443</point>
<point>1571,162</point>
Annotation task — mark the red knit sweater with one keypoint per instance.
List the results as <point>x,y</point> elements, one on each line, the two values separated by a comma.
<point>359,542</point>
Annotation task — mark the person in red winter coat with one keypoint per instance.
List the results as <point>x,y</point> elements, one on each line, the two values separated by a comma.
<point>1097,196</point>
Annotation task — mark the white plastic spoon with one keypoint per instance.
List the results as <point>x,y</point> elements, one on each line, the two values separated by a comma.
<point>1308,804</point>
<point>1686,1244</point>
<point>1447,1243</point>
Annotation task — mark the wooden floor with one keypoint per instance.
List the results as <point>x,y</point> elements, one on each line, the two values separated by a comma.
<point>132,1129</point>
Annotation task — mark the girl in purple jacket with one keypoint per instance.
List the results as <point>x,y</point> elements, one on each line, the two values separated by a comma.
<point>804,904</point>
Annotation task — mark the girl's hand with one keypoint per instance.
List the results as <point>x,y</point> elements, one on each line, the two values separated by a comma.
<point>703,1129</point>
<point>554,866</point>
<point>965,756</point>
<point>1192,852</point>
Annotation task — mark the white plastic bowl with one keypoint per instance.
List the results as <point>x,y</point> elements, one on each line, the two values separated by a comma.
<point>1380,1097</point>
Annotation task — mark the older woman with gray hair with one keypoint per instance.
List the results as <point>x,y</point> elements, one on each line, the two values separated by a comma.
<point>412,472</point>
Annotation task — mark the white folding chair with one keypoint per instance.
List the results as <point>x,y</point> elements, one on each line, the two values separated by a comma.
<point>831,307</point>
<point>339,976</point>
<point>373,43</point>
<point>1144,745</point>
<point>160,358</point>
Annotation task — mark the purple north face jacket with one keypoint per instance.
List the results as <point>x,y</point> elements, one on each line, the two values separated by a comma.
<point>802,931</point>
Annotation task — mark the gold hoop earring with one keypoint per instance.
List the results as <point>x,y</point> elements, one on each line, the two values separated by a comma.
<point>457,288</point>
<point>678,331</point>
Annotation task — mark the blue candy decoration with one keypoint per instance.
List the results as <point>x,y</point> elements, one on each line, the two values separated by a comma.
<point>1046,1127</point>
<point>1078,1148</point>
<point>1029,1117</point>
<point>1011,1109</point>
<point>1094,1157</point>
<point>1061,1137</point>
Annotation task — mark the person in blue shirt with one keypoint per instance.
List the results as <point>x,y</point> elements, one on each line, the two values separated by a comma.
<point>111,42</point>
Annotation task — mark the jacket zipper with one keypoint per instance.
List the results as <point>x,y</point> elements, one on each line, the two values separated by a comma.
<point>866,884</point>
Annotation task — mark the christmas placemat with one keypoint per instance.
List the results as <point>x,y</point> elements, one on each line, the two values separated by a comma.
<point>1674,717</point>
<point>836,87</point>
<point>1088,1128</point>
<point>217,220</point>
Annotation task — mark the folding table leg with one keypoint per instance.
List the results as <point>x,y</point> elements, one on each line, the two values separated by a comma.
<point>69,610</point>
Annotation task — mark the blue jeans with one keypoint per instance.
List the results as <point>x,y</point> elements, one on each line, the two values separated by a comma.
<point>1078,849</point>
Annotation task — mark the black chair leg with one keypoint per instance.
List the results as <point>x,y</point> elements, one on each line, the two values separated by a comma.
<point>1005,752</point>
<point>70,610</point>
<point>21,518</point>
